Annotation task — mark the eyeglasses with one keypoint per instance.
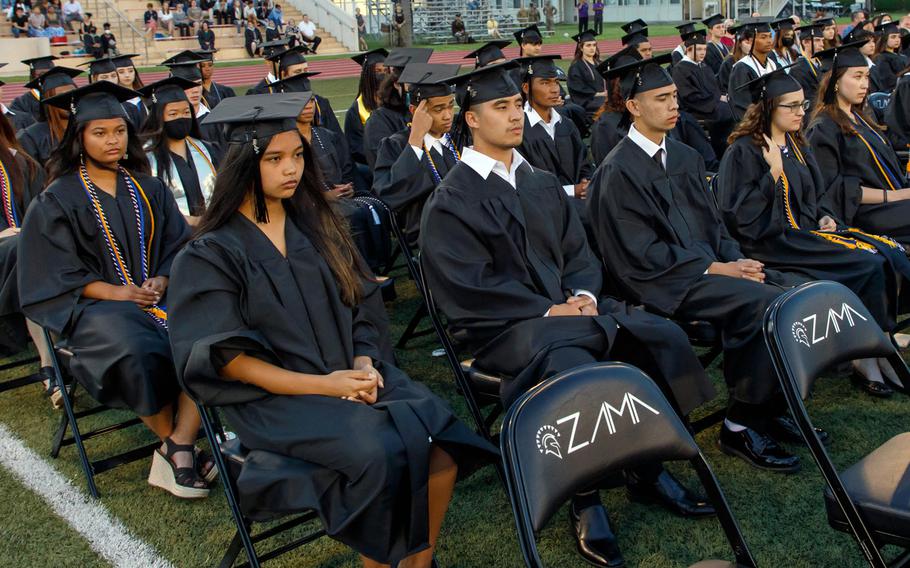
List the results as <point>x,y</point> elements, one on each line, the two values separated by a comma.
<point>805,105</point>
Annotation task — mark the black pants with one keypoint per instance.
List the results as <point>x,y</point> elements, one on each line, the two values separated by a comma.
<point>184,30</point>
<point>599,22</point>
<point>314,43</point>
<point>582,24</point>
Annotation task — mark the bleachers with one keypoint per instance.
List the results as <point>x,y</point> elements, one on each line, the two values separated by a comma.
<point>433,21</point>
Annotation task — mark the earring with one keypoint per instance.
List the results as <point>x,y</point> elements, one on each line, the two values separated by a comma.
<point>835,88</point>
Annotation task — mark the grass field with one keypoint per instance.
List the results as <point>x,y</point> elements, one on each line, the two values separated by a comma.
<point>782,517</point>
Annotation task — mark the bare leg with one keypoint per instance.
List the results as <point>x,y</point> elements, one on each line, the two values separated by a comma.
<point>869,369</point>
<point>187,429</point>
<point>440,486</point>
<point>161,424</point>
<point>37,335</point>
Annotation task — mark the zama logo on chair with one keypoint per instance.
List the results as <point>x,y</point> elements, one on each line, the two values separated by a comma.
<point>548,436</point>
<point>808,331</point>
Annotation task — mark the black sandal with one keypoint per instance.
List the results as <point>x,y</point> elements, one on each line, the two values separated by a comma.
<point>872,388</point>
<point>205,465</point>
<point>183,482</point>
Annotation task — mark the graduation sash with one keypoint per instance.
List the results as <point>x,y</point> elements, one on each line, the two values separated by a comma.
<point>889,177</point>
<point>362,111</point>
<point>9,201</point>
<point>205,169</point>
<point>752,63</point>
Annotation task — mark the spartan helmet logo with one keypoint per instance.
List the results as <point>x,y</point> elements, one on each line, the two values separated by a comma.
<point>548,441</point>
<point>800,334</point>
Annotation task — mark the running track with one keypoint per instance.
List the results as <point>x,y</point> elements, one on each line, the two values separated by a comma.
<point>247,75</point>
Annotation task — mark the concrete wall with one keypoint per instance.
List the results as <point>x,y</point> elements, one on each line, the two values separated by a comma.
<point>15,50</point>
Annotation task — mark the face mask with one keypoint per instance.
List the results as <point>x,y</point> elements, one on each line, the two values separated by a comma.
<point>786,41</point>
<point>179,128</point>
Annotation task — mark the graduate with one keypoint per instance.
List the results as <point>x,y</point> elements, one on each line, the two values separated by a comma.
<point>188,70</point>
<point>754,64</point>
<point>269,49</point>
<point>29,102</point>
<point>392,114</point>
<point>128,77</point>
<point>177,154</point>
<point>768,192</point>
<point>267,319</point>
<point>40,139</point>
<point>212,92</point>
<point>742,38</point>
<point>784,51</point>
<point>897,115</point>
<point>888,60</point>
<point>105,69</point>
<point>412,162</point>
<point>106,234</point>
<point>699,93</point>
<point>509,264</point>
<point>638,40</point>
<point>585,84</point>
<point>489,53</point>
<point>716,51</point>
<point>808,67</point>
<point>863,182</point>
<point>666,249</point>
<point>18,120</point>
<point>686,29</point>
<point>372,72</point>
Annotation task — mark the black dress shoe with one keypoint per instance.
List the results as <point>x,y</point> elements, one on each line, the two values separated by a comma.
<point>668,492</point>
<point>872,388</point>
<point>594,539</point>
<point>758,450</point>
<point>784,429</point>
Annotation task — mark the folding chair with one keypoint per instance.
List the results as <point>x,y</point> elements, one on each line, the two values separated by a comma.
<point>23,376</point>
<point>878,102</point>
<point>575,429</point>
<point>809,330</point>
<point>230,459</point>
<point>60,361</point>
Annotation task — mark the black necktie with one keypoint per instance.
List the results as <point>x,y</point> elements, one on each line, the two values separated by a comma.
<point>658,157</point>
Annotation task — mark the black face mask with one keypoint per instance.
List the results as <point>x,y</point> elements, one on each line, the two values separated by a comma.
<point>179,128</point>
<point>787,41</point>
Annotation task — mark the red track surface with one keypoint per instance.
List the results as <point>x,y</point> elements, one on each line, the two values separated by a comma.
<point>334,68</point>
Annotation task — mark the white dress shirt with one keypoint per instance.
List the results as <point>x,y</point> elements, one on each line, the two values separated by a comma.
<point>308,29</point>
<point>431,144</point>
<point>550,128</point>
<point>649,147</point>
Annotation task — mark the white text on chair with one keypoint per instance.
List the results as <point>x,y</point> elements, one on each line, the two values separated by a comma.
<point>834,321</point>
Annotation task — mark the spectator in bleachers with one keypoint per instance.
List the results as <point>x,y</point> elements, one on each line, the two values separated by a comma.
<point>549,14</point>
<point>206,36</point>
<point>206,6</point>
<point>219,13</point>
<point>53,23</point>
<point>272,33</point>
<point>252,36</point>
<point>36,23</point>
<point>522,16</point>
<point>150,21</point>
<point>459,32</point>
<point>249,10</point>
<point>308,33</point>
<point>166,19</point>
<point>398,24</point>
<point>276,16</point>
<point>19,22</point>
<point>181,21</point>
<point>72,12</point>
<point>493,28</point>
<point>108,41</point>
<point>195,15</point>
<point>237,7</point>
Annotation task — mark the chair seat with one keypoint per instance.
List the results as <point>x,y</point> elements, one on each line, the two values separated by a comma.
<point>235,455</point>
<point>713,564</point>
<point>487,383</point>
<point>701,333</point>
<point>879,484</point>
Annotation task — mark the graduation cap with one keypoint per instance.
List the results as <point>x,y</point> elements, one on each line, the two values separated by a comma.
<point>846,55</point>
<point>624,56</point>
<point>269,48</point>
<point>638,25</point>
<point>254,117</point>
<point>188,71</point>
<point>540,67</point>
<point>859,34</point>
<point>289,57</point>
<point>771,85</point>
<point>427,79</point>
<point>587,35</point>
<point>754,25</point>
<point>782,24</point>
<point>206,54</point>
<point>40,63</point>
<point>124,60</point>
<point>298,83</point>
<point>530,34</point>
<point>686,28</point>
<point>185,56</point>
<point>53,78</point>
<point>371,57</point>
<point>712,21</point>
<point>97,101</point>
<point>488,52</point>
<point>810,30</point>
<point>695,37</point>
<point>635,38</point>
<point>100,66</point>
<point>401,56</point>
<point>888,28</point>
<point>641,76</point>
<point>485,84</point>
<point>824,21</point>
<point>169,90</point>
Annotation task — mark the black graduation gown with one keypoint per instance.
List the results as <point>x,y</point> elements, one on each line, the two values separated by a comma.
<point>754,210</point>
<point>884,74</point>
<point>331,152</point>
<point>363,468</point>
<point>19,120</point>
<point>807,74</point>
<point>498,259</point>
<point>27,103</point>
<point>699,95</point>
<point>715,55</point>
<point>353,131</point>
<point>216,94</point>
<point>214,135</point>
<point>121,355</point>
<point>13,334</point>
<point>189,178</point>
<point>37,142</point>
<point>261,88</point>
<point>897,116</point>
<point>383,122</point>
<point>723,74</point>
<point>566,157</point>
<point>740,99</point>
<point>658,232</point>
<point>584,83</point>
<point>846,164</point>
<point>404,182</point>
<point>325,115</point>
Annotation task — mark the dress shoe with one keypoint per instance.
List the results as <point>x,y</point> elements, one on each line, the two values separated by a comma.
<point>758,450</point>
<point>784,429</point>
<point>668,492</point>
<point>872,388</point>
<point>594,539</point>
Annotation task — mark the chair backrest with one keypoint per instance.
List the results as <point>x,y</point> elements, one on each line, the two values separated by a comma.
<point>818,325</point>
<point>572,430</point>
<point>879,102</point>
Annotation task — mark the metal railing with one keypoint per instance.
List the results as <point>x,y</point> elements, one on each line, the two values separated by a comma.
<point>138,42</point>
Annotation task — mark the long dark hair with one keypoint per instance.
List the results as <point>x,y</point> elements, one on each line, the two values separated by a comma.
<point>308,208</point>
<point>579,54</point>
<point>368,88</point>
<point>756,124</point>
<point>67,156</point>
<point>614,101</point>
<point>389,95</point>
<point>881,46</point>
<point>8,143</point>
<point>826,104</point>
<point>738,52</point>
<point>154,139</point>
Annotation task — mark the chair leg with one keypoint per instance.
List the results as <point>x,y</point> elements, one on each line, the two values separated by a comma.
<point>412,326</point>
<point>233,550</point>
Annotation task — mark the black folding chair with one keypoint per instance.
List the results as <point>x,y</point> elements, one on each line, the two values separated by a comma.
<point>878,102</point>
<point>575,429</point>
<point>24,376</point>
<point>230,458</point>
<point>809,330</point>
<point>60,361</point>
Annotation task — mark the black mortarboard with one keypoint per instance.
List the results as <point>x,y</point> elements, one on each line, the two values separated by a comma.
<point>99,66</point>
<point>846,55</point>
<point>2,65</point>
<point>712,21</point>
<point>39,63</point>
<point>587,35</point>
<point>485,84</point>
<point>401,56</point>
<point>289,57</point>
<point>686,27</point>
<point>757,25</point>
<point>185,56</point>
<point>622,57</point>
<point>638,25</point>
<point>270,48</point>
<point>371,57</point>
<point>124,60</point>
<point>298,83</point>
<point>695,37</point>
<point>771,85</point>
<point>642,76</point>
<point>206,54</point>
<point>97,101</point>
<point>824,21</point>
<point>635,38</point>
<point>426,80</point>
<point>53,78</point>
<point>540,67</point>
<point>488,52</point>
<point>782,24</point>
<point>188,71</point>
<point>169,90</point>
<point>859,34</point>
<point>530,34</point>
<point>254,117</point>
<point>888,28</point>
<point>810,30</point>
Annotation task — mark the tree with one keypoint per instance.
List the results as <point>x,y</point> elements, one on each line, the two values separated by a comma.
<point>407,31</point>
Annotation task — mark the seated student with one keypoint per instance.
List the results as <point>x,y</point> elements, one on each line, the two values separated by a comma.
<point>29,102</point>
<point>699,93</point>
<point>489,53</point>
<point>888,60</point>
<point>716,51</point>
<point>392,115</point>
<point>212,92</point>
<point>372,72</point>
<point>784,50</point>
<point>252,37</point>
<point>664,246</point>
<point>829,31</point>
<point>585,84</point>
<point>268,49</point>
<point>863,183</point>
<point>128,77</point>
<point>18,121</point>
<point>185,66</point>
<point>897,115</point>
<point>513,274</point>
<point>685,29</point>
<point>636,36</point>
<point>753,65</point>
<point>177,155</point>
<point>742,46</point>
<point>298,361</point>
<point>808,68</point>
<point>414,160</point>
<point>768,192</point>
<point>41,138</point>
<point>102,69</point>
<point>106,234</point>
